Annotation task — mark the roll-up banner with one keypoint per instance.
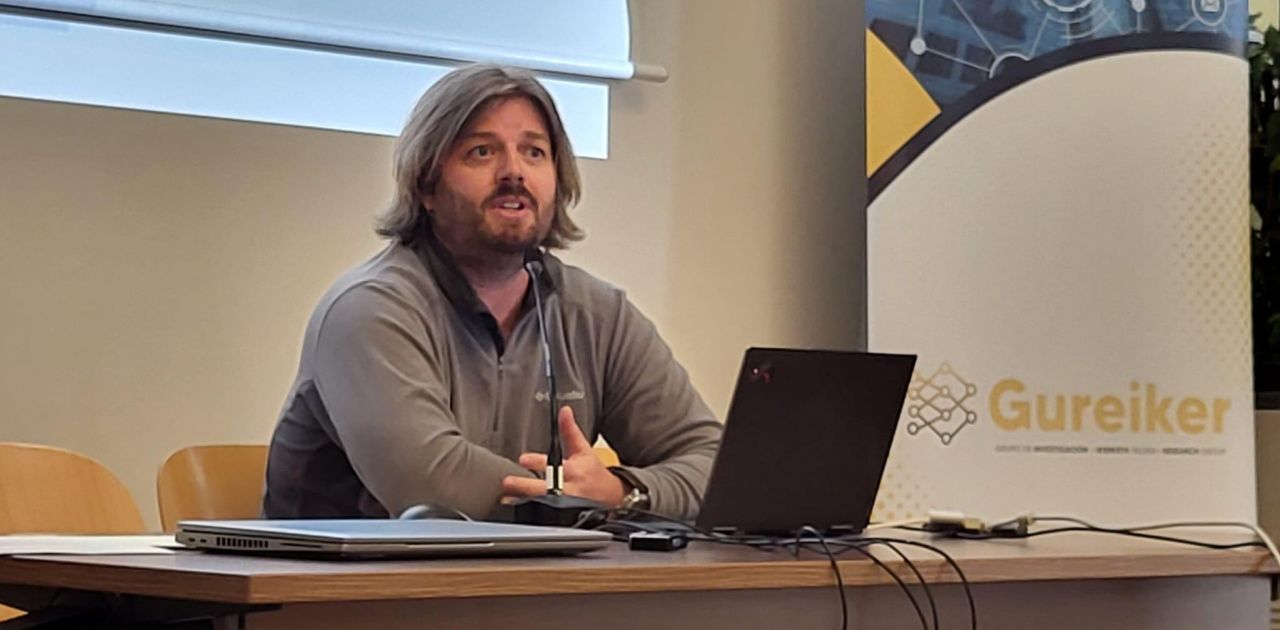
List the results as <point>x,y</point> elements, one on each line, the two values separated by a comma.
<point>1058,225</point>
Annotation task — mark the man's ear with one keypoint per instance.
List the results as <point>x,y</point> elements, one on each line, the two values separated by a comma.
<point>427,199</point>
<point>426,195</point>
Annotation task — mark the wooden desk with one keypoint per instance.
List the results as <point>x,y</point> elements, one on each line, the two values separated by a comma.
<point>1063,581</point>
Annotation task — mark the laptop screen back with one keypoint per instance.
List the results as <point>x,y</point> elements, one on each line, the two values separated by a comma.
<point>806,440</point>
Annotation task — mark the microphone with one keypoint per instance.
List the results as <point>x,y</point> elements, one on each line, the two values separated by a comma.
<point>555,454</point>
<point>555,507</point>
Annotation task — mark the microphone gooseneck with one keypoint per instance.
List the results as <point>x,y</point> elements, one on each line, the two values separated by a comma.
<point>555,456</point>
<point>555,508</point>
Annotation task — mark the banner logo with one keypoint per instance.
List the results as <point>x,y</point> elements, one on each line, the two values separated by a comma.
<point>944,403</point>
<point>939,402</point>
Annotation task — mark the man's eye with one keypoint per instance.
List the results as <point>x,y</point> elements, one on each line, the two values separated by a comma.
<point>537,153</point>
<point>481,151</point>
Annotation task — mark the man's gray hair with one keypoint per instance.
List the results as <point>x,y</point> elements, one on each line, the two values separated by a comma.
<point>440,115</point>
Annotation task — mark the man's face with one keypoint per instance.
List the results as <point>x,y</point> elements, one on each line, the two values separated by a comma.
<point>497,189</point>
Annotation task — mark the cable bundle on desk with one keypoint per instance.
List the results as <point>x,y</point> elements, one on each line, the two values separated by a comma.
<point>1019,527</point>
<point>807,538</point>
<point>833,546</point>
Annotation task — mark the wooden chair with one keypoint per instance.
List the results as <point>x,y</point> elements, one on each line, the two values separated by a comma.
<point>47,490</point>
<point>607,456</point>
<point>51,490</point>
<point>226,481</point>
<point>211,482</point>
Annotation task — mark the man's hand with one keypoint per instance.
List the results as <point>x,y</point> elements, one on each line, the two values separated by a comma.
<point>584,474</point>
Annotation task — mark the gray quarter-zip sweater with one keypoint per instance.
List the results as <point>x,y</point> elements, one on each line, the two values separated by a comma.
<point>408,394</point>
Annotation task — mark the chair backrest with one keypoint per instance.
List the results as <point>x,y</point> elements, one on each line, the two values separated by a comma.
<point>50,490</point>
<point>211,482</point>
<point>607,456</point>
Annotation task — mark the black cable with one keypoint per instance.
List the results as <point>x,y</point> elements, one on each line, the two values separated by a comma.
<point>692,531</point>
<point>1104,530</point>
<point>964,580</point>
<point>924,585</point>
<point>758,542</point>
<point>621,530</point>
<point>772,543</point>
<point>856,542</point>
<point>855,545</point>
<point>1082,526</point>
<point>835,567</point>
<point>762,543</point>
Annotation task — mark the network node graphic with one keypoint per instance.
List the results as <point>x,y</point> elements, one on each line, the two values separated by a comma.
<point>938,403</point>
<point>953,45</point>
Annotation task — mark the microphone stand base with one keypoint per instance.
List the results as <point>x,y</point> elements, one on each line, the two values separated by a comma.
<point>555,510</point>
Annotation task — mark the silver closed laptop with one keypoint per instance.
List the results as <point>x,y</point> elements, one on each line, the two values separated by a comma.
<point>370,538</point>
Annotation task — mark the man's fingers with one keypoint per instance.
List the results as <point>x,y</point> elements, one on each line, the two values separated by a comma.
<point>534,462</point>
<point>513,486</point>
<point>571,436</point>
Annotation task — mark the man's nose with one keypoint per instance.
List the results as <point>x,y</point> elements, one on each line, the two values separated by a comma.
<point>509,169</point>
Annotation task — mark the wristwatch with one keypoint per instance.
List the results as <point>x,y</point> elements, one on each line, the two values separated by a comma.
<point>637,495</point>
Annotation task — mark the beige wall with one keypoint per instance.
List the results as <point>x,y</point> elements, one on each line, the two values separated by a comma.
<point>1270,10</point>
<point>158,269</point>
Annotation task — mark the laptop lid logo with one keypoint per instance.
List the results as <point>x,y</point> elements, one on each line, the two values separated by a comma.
<point>761,374</point>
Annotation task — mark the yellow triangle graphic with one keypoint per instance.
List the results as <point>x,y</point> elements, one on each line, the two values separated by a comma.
<point>897,105</point>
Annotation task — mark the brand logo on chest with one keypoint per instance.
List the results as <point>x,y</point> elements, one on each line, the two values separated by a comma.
<point>562,396</point>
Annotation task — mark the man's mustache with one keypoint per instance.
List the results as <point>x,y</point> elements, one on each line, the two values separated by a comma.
<point>512,190</point>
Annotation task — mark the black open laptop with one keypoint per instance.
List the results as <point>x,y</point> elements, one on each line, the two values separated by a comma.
<point>805,441</point>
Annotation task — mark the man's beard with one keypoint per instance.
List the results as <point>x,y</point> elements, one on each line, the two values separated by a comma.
<point>507,238</point>
<point>463,223</point>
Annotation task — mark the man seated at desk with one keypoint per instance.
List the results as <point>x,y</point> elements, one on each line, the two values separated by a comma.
<point>421,379</point>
